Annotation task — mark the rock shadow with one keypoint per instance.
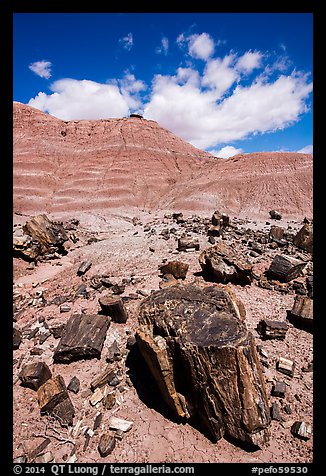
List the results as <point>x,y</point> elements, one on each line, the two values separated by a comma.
<point>145,384</point>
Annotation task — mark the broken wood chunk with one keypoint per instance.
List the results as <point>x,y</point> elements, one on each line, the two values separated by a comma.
<point>96,397</point>
<point>176,268</point>
<point>301,314</point>
<point>84,267</point>
<point>39,449</point>
<point>286,366</point>
<point>51,392</point>
<point>214,230</point>
<point>222,264</point>
<point>103,378</point>
<point>119,424</point>
<point>272,329</point>
<point>276,233</point>
<point>304,238</point>
<point>113,307</point>
<point>279,389</point>
<point>197,348</point>
<point>285,268</point>
<point>74,385</point>
<point>109,401</point>
<point>301,429</point>
<point>34,375</point>
<point>50,235</point>
<point>64,412</point>
<point>83,338</point>
<point>275,412</point>
<point>106,444</point>
<point>188,243</point>
<point>97,421</point>
<point>53,399</point>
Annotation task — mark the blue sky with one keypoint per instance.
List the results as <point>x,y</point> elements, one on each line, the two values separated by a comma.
<point>225,82</point>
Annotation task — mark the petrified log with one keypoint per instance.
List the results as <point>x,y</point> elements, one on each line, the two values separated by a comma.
<point>50,235</point>
<point>304,238</point>
<point>34,375</point>
<point>224,265</point>
<point>272,329</point>
<point>188,243</point>
<point>301,314</point>
<point>113,307</point>
<point>205,361</point>
<point>285,268</point>
<point>83,338</point>
<point>53,399</point>
<point>176,268</point>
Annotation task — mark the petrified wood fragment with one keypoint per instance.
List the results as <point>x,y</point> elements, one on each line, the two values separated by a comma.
<point>285,268</point>
<point>205,361</point>
<point>53,399</point>
<point>176,268</point>
<point>301,314</point>
<point>50,235</point>
<point>272,329</point>
<point>188,243</point>
<point>113,307</point>
<point>224,265</point>
<point>34,375</point>
<point>304,238</point>
<point>286,366</point>
<point>83,338</point>
<point>106,444</point>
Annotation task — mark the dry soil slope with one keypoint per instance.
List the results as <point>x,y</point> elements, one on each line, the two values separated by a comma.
<point>134,164</point>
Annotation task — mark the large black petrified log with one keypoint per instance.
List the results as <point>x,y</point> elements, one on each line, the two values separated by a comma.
<point>205,362</point>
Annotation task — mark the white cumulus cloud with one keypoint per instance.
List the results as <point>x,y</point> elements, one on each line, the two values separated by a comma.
<point>74,99</point>
<point>194,114</point>
<point>226,152</point>
<point>41,68</point>
<point>200,46</point>
<point>249,61</point>
<point>308,149</point>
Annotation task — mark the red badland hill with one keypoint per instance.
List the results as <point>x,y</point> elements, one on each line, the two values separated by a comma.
<point>134,164</point>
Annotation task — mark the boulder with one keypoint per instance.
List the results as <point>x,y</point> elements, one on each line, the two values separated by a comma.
<point>83,338</point>
<point>223,264</point>
<point>205,362</point>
